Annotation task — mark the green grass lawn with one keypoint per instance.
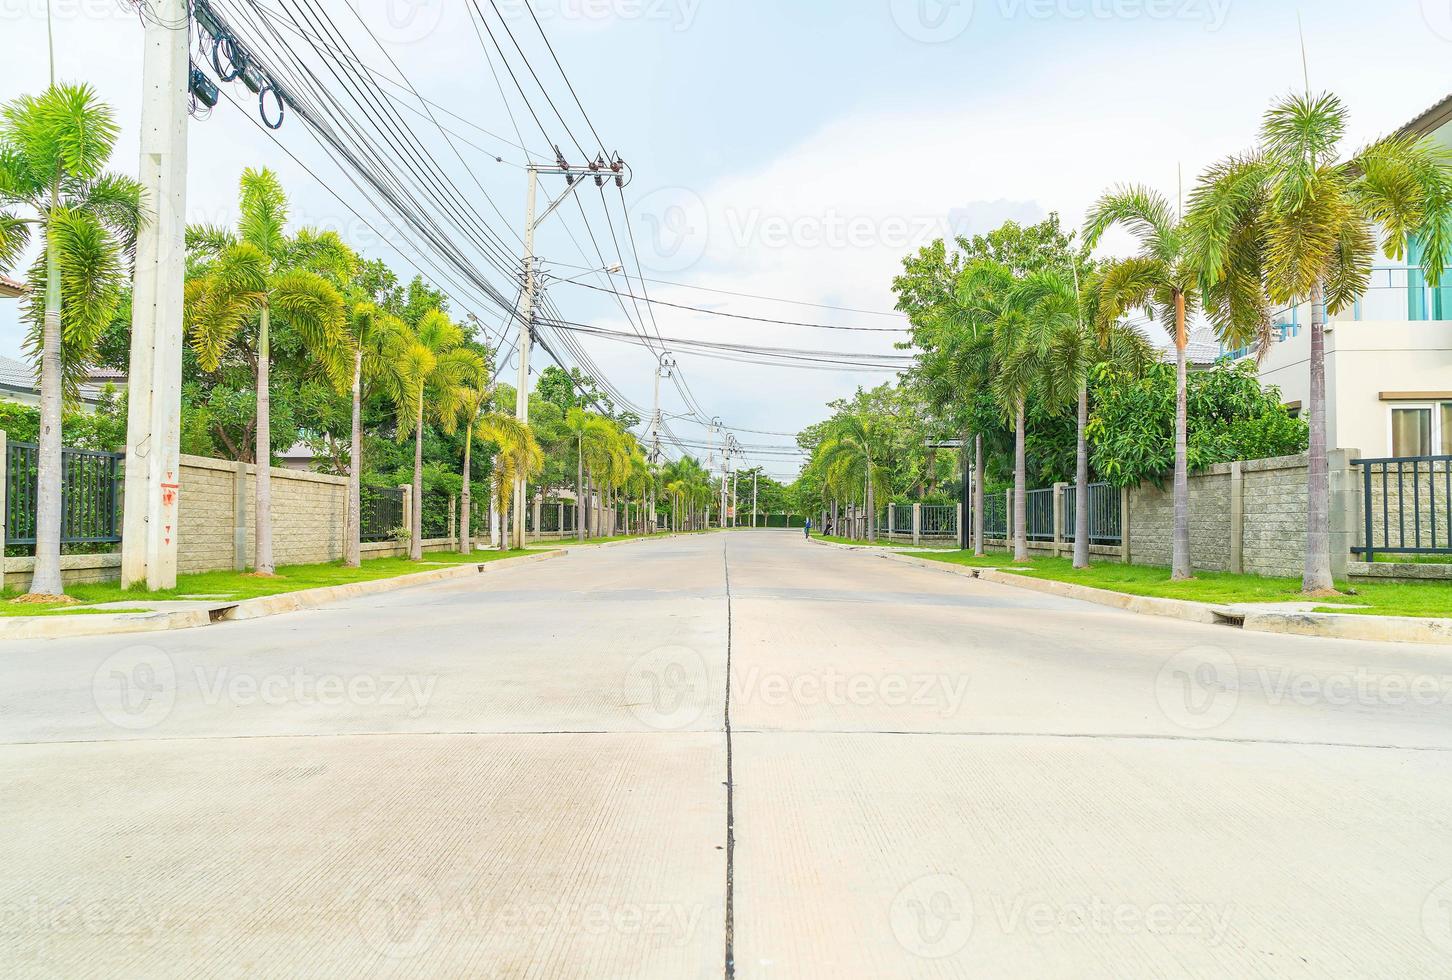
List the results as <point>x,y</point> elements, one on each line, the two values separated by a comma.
<point>232,586</point>
<point>1379,599</point>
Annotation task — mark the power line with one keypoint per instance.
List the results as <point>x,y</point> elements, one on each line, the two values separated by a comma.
<point>742,316</point>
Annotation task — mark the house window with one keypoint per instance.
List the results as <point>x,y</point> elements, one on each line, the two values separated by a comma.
<point>1411,431</point>
<point>1422,430</point>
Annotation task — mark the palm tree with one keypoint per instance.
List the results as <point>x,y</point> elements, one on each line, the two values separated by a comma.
<point>245,278</point>
<point>852,458</point>
<point>1296,221</point>
<point>378,338</point>
<point>472,403</point>
<point>1164,281</point>
<point>518,454</point>
<point>1073,349</point>
<point>577,424</point>
<point>434,370</point>
<point>53,148</point>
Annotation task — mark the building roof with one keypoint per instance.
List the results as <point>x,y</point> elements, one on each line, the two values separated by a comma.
<point>19,376</point>
<point>10,287</point>
<point>1431,120</point>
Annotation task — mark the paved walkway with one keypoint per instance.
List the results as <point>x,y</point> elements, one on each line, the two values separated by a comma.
<point>531,776</point>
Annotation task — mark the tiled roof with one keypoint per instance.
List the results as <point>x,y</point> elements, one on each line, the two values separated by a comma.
<point>19,375</point>
<point>10,287</point>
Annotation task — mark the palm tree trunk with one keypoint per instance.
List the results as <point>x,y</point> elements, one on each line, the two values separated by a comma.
<point>353,543</point>
<point>415,539</point>
<point>496,532</point>
<point>871,507</point>
<point>580,489</point>
<point>262,557</point>
<point>1020,488</point>
<point>466,503</point>
<point>1181,567</point>
<point>1081,483</point>
<point>46,578</point>
<point>1317,575</point>
<point>978,495</point>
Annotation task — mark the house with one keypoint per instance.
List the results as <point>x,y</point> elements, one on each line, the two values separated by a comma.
<point>18,384</point>
<point>1388,358</point>
<point>10,289</point>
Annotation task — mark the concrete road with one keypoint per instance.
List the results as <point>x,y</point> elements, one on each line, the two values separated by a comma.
<point>537,774</point>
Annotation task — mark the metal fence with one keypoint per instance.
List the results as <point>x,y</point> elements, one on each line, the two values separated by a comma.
<point>1405,504</point>
<point>995,515</point>
<point>901,517</point>
<point>1105,518</point>
<point>90,495</point>
<point>381,512</point>
<point>939,520</point>
<point>1040,514</point>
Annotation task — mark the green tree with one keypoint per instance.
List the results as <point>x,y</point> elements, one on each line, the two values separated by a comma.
<point>1164,281</point>
<point>238,282</point>
<point>53,151</point>
<point>434,370</point>
<point>378,338</point>
<point>1297,221</point>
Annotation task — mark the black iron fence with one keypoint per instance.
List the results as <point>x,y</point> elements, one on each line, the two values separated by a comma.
<point>1105,518</point>
<point>91,494</point>
<point>382,513</point>
<point>1405,506</point>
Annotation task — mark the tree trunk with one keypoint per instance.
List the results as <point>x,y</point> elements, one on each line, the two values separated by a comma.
<point>871,508</point>
<point>1020,489</point>
<point>580,489</point>
<point>262,558</point>
<point>46,578</point>
<point>415,539</point>
<point>353,543</point>
<point>1317,574</point>
<point>1081,483</point>
<point>496,533</point>
<point>466,495</point>
<point>1180,552</point>
<point>978,495</point>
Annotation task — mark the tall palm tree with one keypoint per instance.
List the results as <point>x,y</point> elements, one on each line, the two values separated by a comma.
<point>852,456</point>
<point>1164,281</point>
<point>239,281</point>
<point>473,400</point>
<point>434,370</point>
<point>1064,307</point>
<point>577,424</point>
<point>1298,222</point>
<point>517,454</point>
<point>378,338</point>
<point>53,151</point>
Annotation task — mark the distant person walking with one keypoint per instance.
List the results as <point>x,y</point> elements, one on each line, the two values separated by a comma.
<point>807,528</point>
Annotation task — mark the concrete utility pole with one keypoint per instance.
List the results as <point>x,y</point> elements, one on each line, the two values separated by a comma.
<point>574,177</point>
<point>662,370</point>
<point>153,420</point>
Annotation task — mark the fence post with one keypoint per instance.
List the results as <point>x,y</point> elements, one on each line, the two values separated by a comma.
<point>1237,518</point>
<point>1347,505</point>
<point>917,524</point>
<point>1124,498</point>
<point>407,489</point>
<point>538,511</point>
<point>453,519</point>
<point>240,499</point>
<point>4,499</point>
<point>1059,518</point>
<point>891,519</point>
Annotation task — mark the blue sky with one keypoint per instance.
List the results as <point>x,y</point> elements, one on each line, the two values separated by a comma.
<point>808,145</point>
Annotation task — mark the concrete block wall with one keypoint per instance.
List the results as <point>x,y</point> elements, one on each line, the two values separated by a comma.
<point>1152,520</point>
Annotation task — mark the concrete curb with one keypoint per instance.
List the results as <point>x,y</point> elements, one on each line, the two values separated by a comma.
<point>56,627</point>
<point>1338,626</point>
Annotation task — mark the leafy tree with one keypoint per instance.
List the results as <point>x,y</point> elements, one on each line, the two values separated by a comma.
<point>53,151</point>
<point>1164,281</point>
<point>1294,220</point>
<point>238,281</point>
<point>378,339</point>
<point>1230,417</point>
